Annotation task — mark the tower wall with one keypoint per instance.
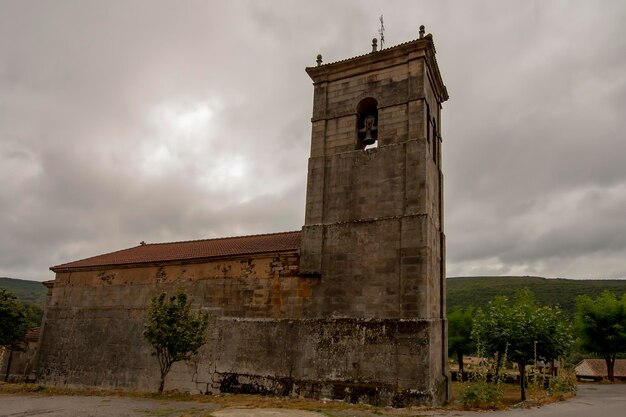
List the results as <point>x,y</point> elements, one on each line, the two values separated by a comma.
<point>373,230</point>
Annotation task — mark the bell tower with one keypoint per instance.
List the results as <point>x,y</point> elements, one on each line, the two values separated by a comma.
<point>373,231</point>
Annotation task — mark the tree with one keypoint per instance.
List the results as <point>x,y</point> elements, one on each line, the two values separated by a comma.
<point>174,332</point>
<point>13,325</point>
<point>523,329</point>
<point>460,340</point>
<point>491,328</point>
<point>33,312</point>
<point>601,326</point>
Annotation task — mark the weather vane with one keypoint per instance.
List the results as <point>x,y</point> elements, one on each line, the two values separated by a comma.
<point>381,31</point>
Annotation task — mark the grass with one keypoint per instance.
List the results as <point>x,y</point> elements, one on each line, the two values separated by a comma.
<point>329,408</point>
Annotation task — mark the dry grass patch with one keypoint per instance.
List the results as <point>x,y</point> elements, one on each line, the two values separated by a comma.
<point>511,396</point>
<point>220,400</point>
<point>330,408</point>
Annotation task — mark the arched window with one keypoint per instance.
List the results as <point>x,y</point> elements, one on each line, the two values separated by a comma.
<point>367,123</point>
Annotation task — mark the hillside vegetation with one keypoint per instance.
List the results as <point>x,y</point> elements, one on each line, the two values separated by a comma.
<point>478,291</point>
<point>31,291</point>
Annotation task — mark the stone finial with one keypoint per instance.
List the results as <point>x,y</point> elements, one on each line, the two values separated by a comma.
<point>142,243</point>
<point>319,59</point>
<point>422,31</point>
<point>374,45</point>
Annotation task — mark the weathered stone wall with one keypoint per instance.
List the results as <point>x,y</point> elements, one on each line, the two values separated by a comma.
<point>373,225</point>
<point>94,318</point>
<point>22,363</point>
<point>94,323</point>
<point>261,286</point>
<point>377,361</point>
<point>389,273</point>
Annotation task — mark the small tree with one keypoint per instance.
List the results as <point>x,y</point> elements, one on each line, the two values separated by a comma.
<point>524,329</point>
<point>13,325</point>
<point>174,332</point>
<point>601,325</point>
<point>460,340</point>
<point>490,330</point>
<point>33,313</point>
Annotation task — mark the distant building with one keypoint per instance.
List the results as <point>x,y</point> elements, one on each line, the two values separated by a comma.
<point>22,361</point>
<point>595,369</point>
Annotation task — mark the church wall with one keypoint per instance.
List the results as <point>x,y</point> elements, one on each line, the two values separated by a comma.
<point>94,318</point>
<point>257,343</point>
<point>377,361</point>
<point>261,286</point>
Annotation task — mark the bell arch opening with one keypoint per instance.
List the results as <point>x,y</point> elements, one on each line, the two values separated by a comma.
<point>367,123</point>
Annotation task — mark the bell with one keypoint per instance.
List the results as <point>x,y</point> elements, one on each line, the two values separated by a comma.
<point>368,139</point>
<point>369,129</point>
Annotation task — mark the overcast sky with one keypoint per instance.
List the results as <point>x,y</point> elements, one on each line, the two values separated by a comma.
<point>123,121</point>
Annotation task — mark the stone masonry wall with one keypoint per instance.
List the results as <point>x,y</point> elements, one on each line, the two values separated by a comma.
<point>94,323</point>
<point>22,363</point>
<point>94,319</point>
<point>373,225</point>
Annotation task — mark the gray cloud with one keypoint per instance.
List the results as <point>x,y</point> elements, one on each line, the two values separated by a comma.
<point>158,121</point>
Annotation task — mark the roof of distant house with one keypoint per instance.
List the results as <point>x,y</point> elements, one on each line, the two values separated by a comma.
<point>597,368</point>
<point>32,335</point>
<point>191,250</point>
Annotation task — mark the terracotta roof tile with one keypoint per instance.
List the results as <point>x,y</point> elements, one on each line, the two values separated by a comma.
<point>597,368</point>
<point>32,335</point>
<point>190,250</point>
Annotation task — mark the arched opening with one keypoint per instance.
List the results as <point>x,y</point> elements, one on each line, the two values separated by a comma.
<point>367,123</point>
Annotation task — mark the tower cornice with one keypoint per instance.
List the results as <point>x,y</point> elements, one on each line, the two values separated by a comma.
<point>396,55</point>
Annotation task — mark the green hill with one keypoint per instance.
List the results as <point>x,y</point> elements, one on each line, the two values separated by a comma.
<point>478,291</point>
<point>24,290</point>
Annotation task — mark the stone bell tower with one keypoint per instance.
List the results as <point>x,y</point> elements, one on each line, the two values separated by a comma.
<point>373,230</point>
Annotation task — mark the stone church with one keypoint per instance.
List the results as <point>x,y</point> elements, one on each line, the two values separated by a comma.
<point>350,307</point>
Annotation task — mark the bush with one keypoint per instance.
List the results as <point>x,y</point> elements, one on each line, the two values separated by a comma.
<point>562,386</point>
<point>478,392</point>
<point>481,394</point>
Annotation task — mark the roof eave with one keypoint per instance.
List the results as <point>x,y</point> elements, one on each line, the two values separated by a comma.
<point>62,269</point>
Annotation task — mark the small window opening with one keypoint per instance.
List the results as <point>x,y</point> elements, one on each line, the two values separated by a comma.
<point>435,142</point>
<point>367,123</point>
<point>427,123</point>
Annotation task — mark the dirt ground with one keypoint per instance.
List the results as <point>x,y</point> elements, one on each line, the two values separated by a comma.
<point>607,400</point>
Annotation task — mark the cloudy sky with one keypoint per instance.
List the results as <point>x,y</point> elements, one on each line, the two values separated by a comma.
<point>123,121</point>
